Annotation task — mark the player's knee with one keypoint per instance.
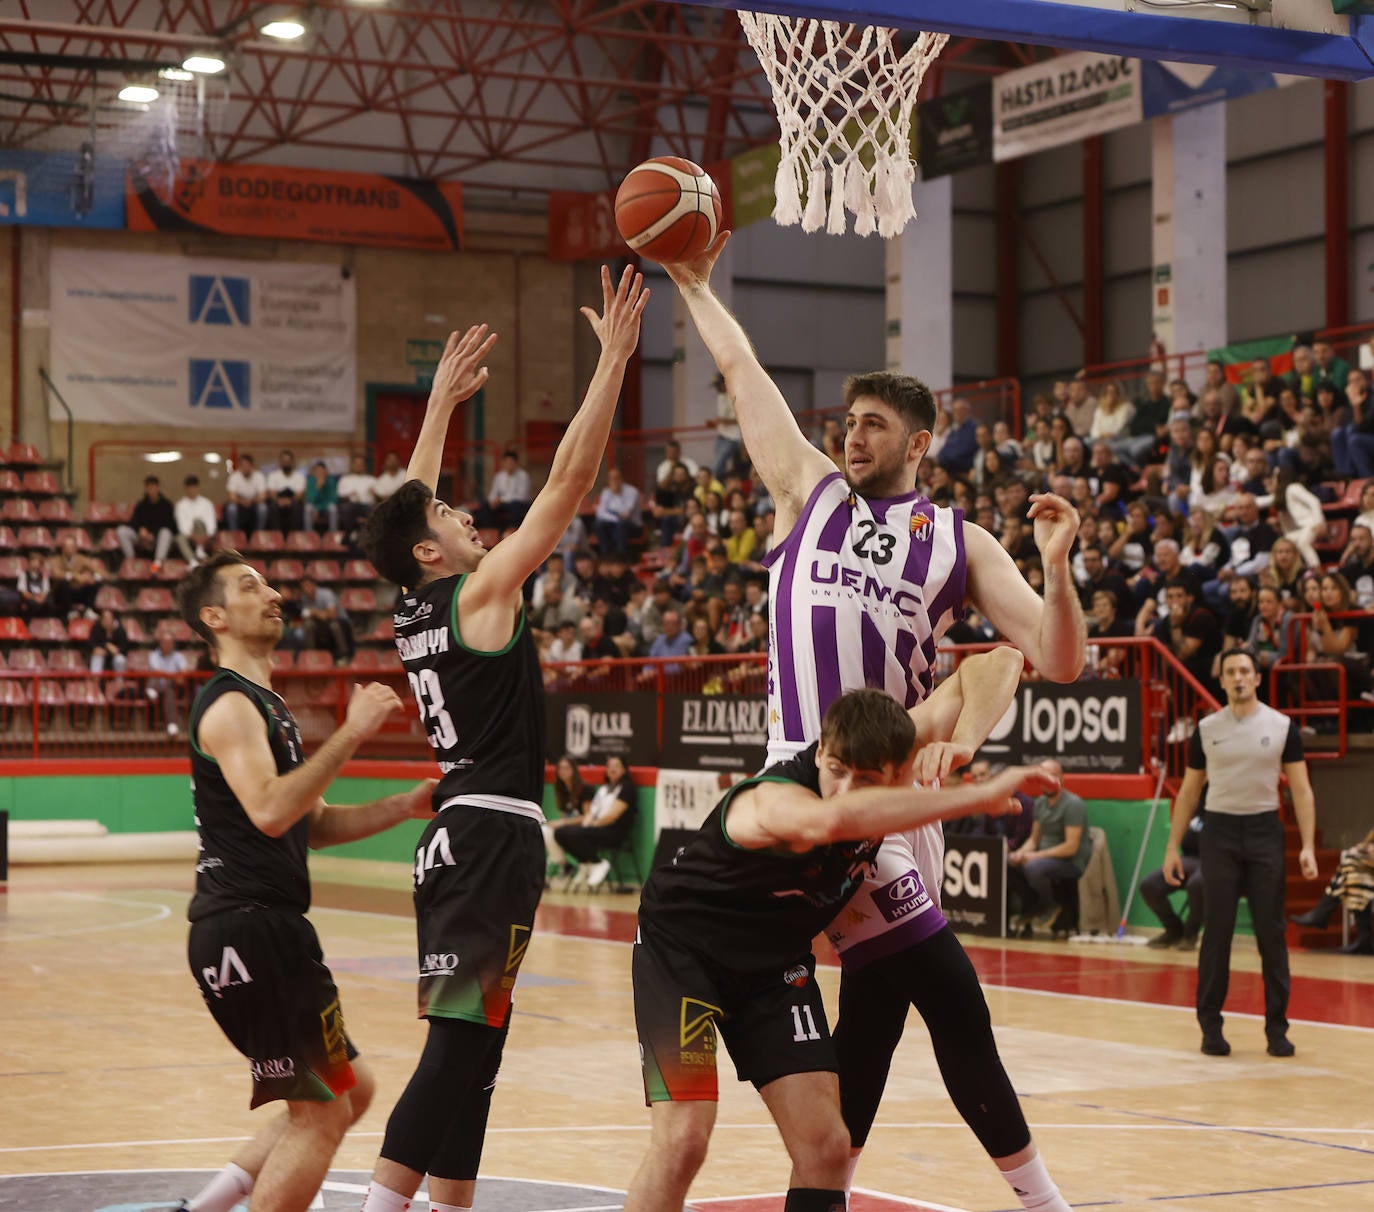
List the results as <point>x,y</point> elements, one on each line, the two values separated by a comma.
<point>682,1145</point>
<point>329,1120</point>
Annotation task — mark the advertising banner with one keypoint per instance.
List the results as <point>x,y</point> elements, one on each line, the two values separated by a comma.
<point>753,176</point>
<point>1063,99</point>
<point>592,727</point>
<point>683,799</point>
<point>955,131</point>
<point>61,189</point>
<point>715,732</point>
<point>146,339</point>
<point>973,897</point>
<point>1170,88</point>
<point>582,227</point>
<point>265,200</point>
<point>1092,725</point>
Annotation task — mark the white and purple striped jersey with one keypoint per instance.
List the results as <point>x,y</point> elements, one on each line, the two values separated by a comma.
<point>860,591</point>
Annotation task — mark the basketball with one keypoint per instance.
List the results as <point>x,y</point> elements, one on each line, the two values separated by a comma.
<point>668,209</point>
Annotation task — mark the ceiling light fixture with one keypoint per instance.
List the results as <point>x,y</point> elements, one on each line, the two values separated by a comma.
<point>138,92</point>
<point>287,29</point>
<point>175,73</point>
<point>203,65</point>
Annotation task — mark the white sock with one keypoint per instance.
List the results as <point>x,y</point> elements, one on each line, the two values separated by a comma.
<point>1035,1188</point>
<point>383,1199</point>
<point>433,1207</point>
<point>230,1186</point>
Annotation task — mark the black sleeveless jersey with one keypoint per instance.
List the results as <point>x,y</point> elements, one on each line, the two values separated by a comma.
<point>238,863</point>
<point>754,908</point>
<point>483,711</point>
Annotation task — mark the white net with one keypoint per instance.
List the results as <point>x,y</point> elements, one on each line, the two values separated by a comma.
<point>845,96</point>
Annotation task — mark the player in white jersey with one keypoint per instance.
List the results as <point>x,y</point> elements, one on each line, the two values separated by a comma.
<point>865,580</point>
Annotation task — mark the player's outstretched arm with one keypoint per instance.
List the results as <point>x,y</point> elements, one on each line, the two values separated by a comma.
<point>578,458</point>
<point>233,733</point>
<point>785,814</point>
<point>1050,631</point>
<point>335,824</point>
<point>788,464</point>
<point>963,709</point>
<point>458,376</point>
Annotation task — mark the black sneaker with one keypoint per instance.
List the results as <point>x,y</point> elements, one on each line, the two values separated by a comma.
<point>1214,1043</point>
<point>1280,1046</point>
<point>1167,939</point>
<point>1187,943</point>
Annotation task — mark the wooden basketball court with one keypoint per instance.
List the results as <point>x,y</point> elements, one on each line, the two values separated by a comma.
<point>109,1063</point>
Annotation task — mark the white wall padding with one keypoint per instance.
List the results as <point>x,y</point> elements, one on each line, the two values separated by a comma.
<point>111,848</point>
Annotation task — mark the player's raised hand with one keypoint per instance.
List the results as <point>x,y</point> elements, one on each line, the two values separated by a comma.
<point>1056,526</point>
<point>460,371</point>
<point>617,327</point>
<point>697,271</point>
<point>936,760</point>
<point>370,707</point>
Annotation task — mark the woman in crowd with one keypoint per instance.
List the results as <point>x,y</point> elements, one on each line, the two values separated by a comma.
<point>321,499</point>
<point>1352,887</point>
<point>604,825</point>
<point>1285,573</point>
<point>1113,414</point>
<point>109,643</point>
<point>1203,545</point>
<point>1271,631</point>
<point>571,797</point>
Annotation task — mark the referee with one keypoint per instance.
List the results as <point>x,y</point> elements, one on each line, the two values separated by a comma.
<point>1239,752</point>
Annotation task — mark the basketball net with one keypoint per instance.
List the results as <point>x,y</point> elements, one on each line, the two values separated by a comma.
<point>845,96</point>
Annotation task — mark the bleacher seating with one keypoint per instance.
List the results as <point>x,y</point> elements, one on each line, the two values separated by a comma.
<point>101,513</point>
<point>265,540</point>
<point>314,658</point>
<point>359,570</point>
<point>111,597</point>
<point>303,540</point>
<point>66,660</point>
<point>135,568</point>
<point>79,630</point>
<point>154,599</point>
<point>26,660</point>
<point>83,539</point>
<point>19,509</point>
<point>358,600</point>
<point>283,660</point>
<point>48,631</point>
<point>10,483</point>
<point>36,538</point>
<point>41,484</point>
<point>324,571</point>
<point>22,454</point>
<point>8,541</point>
<point>173,569</point>
<point>281,571</point>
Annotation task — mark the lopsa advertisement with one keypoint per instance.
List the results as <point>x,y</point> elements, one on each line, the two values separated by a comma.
<point>973,896</point>
<point>302,204</point>
<point>592,727</point>
<point>147,339</point>
<point>1061,100</point>
<point>715,732</point>
<point>1084,726</point>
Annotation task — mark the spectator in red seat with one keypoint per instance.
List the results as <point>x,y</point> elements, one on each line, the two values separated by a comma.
<point>286,494</point>
<point>508,498</point>
<point>613,580</point>
<point>617,514</point>
<point>1251,541</point>
<point>1271,630</point>
<point>166,689</point>
<point>357,493</point>
<point>392,476</point>
<point>151,527</point>
<point>35,589</point>
<point>1148,429</point>
<point>672,641</point>
<point>195,519</point>
<point>246,508</point>
<point>1331,639</point>
<point>669,506</point>
<point>109,643</point>
<point>75,580</point>
<point>1357,561</point>
<point>1113,414</point>
<point>324,623</point>
<point>321,499</point>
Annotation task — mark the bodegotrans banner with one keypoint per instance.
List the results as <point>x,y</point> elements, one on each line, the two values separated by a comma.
<point>147,339</point>
<point>302,204</point>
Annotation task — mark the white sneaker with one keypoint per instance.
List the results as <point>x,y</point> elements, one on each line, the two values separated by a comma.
<point>597,873</point>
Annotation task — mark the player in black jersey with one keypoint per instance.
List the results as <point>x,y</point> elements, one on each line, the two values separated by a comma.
<point>254,954</point>
<point>474,673</point>
<point>725,931</point>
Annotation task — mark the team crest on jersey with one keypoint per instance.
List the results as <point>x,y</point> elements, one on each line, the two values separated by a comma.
<point>922,526</point>
<point>797,977</point>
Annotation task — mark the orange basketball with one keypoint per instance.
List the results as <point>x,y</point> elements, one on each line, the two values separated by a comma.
<point>668,209</point>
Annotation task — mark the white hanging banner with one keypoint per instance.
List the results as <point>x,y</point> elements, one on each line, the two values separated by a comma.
<point>1061,100</point>
<point>155,340</point>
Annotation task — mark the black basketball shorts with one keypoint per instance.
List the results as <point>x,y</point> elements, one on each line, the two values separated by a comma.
<point>479,874</point>
<point>263,976</point>
<point>772,1020</point>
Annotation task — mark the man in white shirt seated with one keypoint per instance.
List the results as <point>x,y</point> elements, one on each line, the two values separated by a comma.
<point>617,514</point>
<point>246,508</point>
<point>509,497</point>
<point>196,522</point>
<point>672,455</point>
<point>286,493</point>
<point>357,492</point>
<point>166,660</point>
<point>391,477</point>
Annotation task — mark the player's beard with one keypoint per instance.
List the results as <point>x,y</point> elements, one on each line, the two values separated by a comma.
<point>881,479</point>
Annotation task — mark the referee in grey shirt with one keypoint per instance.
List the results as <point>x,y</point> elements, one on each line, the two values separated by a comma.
<point>1239,752</point>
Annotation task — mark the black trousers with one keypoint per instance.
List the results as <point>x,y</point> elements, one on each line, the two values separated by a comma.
<point>1243,856</point>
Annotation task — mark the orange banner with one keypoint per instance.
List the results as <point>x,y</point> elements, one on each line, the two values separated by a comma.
<point>301,204</point>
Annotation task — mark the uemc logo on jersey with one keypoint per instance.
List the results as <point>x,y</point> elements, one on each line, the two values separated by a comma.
<point>902,898</point>
<point>220,383</point>
<point>218,299</point>
<point>827,571</point>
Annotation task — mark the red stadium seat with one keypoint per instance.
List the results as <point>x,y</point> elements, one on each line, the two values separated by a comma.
<point>10,567</point>
<point>48,631</point>
<point>111,597</point>
<point>285,571</point>
<point>154,599</point>
<point>41,483</point>
<point>13,629</point>
<point>283,660</point>
<point>361,599</point>
<point>377,658</point>
<point>359,570</point>
<point>10,483</point>
<point>230,540</point>
<point>8,542</point>
<point>19,509</point>
<point>172,570</point>
<point>22,454</point>
<point>101,513</point>
<point>55,509</point>
<point>83,540</point>
<point>135,568</point>
<point>266,540</point>
<point>36,538</point>
<point>27,660</point>
<point>66,660</point>
<point>324,571</point>
<point>302,540</point>
<point>314,658</point>
<point>79,630</point>
<point>134,630</point>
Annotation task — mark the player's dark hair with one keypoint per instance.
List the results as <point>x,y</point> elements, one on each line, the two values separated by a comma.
<point>201,587</point>
<point>1240,650</point>
<point>906,395</point>
<point>393,528</point>
<point>867,730</point>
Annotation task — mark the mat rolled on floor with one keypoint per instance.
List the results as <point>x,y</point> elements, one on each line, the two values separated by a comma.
<point>88,841</point>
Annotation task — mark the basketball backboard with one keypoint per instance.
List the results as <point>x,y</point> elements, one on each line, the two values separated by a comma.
<point>1296,37</point>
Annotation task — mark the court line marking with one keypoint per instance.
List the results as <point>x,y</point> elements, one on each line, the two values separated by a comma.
<point>162,912</point>
<point>1279,1132</point>
<point>902,1199</point>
